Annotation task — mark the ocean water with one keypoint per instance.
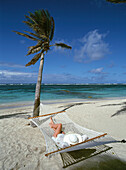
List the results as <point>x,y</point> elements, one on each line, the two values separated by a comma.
<point>11,93</point>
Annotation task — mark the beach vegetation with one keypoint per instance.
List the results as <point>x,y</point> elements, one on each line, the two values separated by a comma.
<point>117,1</point>
<point>42,26</point>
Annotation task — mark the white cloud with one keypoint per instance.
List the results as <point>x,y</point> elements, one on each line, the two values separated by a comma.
<point>97,70</point>
<point>2,64</point>
<point>92,47</point>
<point>11,74</point>
<point>64,78</point>
<point>99,76</point>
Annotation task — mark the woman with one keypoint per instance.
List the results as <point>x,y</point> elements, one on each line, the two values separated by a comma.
<point>58,135</point>
<point>62,139</point>
<point>56,127</point>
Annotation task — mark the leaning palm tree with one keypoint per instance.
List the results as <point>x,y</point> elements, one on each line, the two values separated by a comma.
<point>42,25</point>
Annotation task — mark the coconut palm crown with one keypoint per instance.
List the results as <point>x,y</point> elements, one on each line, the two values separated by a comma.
<point>42,26</point>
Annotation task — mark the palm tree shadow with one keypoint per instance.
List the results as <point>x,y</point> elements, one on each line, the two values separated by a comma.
<point>72,105</point>
<point>26,115</point>
<point>16,115</point>
<point>121,111</point>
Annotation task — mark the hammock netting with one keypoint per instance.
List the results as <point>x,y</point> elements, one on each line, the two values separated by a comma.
<point>83,150</point>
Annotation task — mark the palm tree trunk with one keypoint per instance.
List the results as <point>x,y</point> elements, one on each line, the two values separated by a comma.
<point>38,89</point>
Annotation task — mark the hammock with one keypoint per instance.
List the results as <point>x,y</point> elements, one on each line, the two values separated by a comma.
<point>94,138</point>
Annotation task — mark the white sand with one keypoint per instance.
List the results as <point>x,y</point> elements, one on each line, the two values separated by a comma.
<point>23,147</point>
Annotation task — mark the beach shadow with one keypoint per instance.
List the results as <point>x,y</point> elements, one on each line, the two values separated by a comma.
<point>114,104</point>
<point>16,115</point>
<point>121,111</point>
<point>92,159</point>
<point>101,163</point>
<point>72,105</point>
<point>23,114</point>
<point>73,157</point>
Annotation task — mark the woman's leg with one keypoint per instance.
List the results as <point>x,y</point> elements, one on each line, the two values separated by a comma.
<point>56,127</point>
<point>51,124</point>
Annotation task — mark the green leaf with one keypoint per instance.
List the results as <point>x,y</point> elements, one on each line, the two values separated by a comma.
<point>30,19</point>
<point>35,35</point>
<point>52,29</point>
<point>116,1</point>
<point>63,45</point>
<point>28,23</point>
<point>26,35</point>
<point>42,30</point>
<point>35,50</point>
<point>34,60</point>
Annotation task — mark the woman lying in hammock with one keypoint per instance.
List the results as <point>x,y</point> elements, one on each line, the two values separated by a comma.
<point>56,127</point>
<point>62,139</point>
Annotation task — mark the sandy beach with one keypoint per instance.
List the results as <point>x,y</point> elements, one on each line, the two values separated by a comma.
<point>23,147</point>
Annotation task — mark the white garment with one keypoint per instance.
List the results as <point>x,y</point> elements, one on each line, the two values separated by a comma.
<point>59,140</point>
<point>84,137</point>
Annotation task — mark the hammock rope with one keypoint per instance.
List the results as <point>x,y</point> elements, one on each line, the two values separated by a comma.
<point>42,121</point>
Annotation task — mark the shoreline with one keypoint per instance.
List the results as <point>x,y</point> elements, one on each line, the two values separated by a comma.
<point>58,101</point>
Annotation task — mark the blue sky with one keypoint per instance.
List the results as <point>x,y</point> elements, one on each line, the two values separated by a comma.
<point>95,29</point>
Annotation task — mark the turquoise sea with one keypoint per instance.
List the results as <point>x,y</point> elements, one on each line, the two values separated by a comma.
<point>11,93</point>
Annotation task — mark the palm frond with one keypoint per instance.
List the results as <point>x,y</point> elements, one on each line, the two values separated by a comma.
<point>35,50</point>
<point>28,23</point>
<point>41,45</point>
<point>48,21</point>
<point>63,45</point>
<point>45,22</point>
<point>35,35</point>
<point>34,60</point>
<point>116,1</point>
<point>39,36</point>
<point>52,29</point>
<point>47,13</point>
<point>40,18</point>
<point>30,19</point>
<point>42,25</point>
<point>26,35</point>
<point>35,46</point>
<point>34,21</point>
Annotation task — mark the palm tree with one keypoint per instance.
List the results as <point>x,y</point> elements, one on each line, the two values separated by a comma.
<point>117,1</point>
<point>42,25</point>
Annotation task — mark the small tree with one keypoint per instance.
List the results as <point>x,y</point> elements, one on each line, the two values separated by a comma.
<point>42,25</point>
